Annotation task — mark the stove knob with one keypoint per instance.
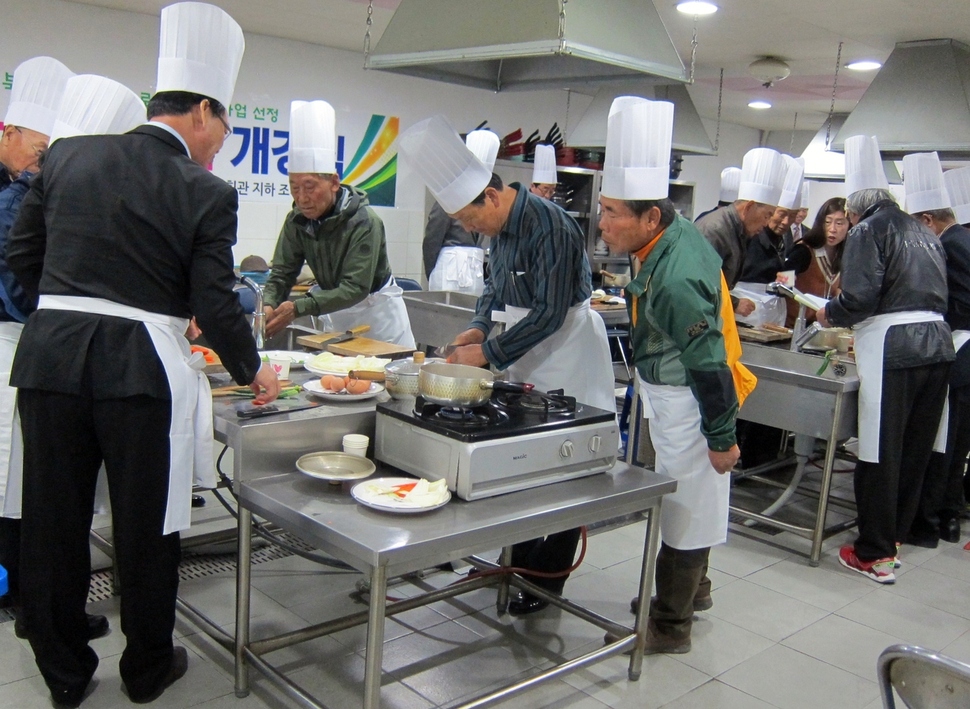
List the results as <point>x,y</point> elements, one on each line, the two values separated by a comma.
<point>566,449</point>
<point>595,443</point>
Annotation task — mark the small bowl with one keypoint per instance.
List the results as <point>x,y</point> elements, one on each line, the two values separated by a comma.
<point>334,466</point>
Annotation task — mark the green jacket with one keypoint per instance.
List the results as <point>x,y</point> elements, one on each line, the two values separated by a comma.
<point>345,250</point>
<point>677,339</point>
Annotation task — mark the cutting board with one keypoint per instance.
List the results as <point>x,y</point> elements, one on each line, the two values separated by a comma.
<point>756,334</point>
<point>319,342</point>
<point>369,348</point>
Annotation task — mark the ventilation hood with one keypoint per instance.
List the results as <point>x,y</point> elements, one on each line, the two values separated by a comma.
<point>918,101</point>
<point>690,136</point>
<point>822,163</point>
<point>527,44</point>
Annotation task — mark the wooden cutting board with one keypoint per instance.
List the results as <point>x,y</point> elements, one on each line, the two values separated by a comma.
<point>756,334</point>
<point>319,342</point>
<point>369,348</point>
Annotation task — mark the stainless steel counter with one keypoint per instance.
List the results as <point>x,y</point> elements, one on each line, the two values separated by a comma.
<point>383,545</point>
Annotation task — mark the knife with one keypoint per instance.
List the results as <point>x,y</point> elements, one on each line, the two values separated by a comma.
<point>445,350</point>
<point>348,335</point>
<point>271,410</point>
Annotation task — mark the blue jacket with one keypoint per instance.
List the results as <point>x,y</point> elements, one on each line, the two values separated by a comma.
<point>14,304</point>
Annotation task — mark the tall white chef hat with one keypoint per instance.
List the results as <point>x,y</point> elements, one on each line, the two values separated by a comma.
<point>803,203</point>
<point>313,138</point>
<point>200,48</point>
<point>544,168</point>
<point>451,171</point>
<point>923,182</point>
<point>863,165</point>
<point>95,105</point>
<point>791,192</point>
<point>730,181</point>
<point>38,87</point>
<point>763,173</point>
<point>638,137</point>
<point>957,184</point>
<point>484,143</point>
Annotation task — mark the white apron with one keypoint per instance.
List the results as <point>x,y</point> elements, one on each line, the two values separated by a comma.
<point>459,268</point>
<point>190,432</point>
<point>575,358</point>
<point>384,311</point>
<point>694,516</point>
<point>870,344</point>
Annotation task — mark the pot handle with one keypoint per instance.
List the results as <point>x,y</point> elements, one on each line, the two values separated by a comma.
<point>513,387</point>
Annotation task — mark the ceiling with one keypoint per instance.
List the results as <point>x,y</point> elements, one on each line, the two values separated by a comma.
<point>804,33</point>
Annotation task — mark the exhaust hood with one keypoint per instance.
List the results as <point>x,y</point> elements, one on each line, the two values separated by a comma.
<point>918,101</point>
<point>527,44</point>
<point>690,136</point>
<point>823,164</point>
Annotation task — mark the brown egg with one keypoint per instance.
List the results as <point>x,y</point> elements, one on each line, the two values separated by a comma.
<point>357,386</point>
<point>331,382</point>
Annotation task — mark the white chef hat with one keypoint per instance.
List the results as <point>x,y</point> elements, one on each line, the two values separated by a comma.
<point>803,203</point>
<point>730,181</point>
<point>544,167</point>
<point>791,192</point>
<point>451,171</point>
<point>638,137</point>
<point>95,105</point>
<point>484,143</point>
<point>313,138</point>
<point>863,165</point>
<point>38,87</point>
<point>763,173</point>
<point>200,48</point>
<point>923,182</point>
<point>957,184</point>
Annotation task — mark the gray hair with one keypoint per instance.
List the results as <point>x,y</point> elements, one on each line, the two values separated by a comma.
<point>861,200</point>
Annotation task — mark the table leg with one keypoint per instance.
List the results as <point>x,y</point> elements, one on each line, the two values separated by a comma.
<point>375,638</point>
<point>244,544</point>
<point>651,544</point>
<point>823,494</point>
<point>502,600</point>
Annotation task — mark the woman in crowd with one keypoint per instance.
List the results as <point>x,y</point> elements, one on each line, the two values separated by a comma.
<point>817,258</point>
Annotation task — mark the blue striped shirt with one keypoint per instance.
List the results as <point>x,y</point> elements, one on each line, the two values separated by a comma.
<point>538,262</point>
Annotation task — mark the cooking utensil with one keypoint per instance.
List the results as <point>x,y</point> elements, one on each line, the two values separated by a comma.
<point>401,377</point>
<point>461,384</point>
<point>271,410</point>
<point>445,350</point>
<point>231,390</point>
<point>366,374</point>
<point>335,467</point>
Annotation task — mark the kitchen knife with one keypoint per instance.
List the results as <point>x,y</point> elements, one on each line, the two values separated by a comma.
<point>445,350</point>
<point>253,412</point>
<point>348,335</point>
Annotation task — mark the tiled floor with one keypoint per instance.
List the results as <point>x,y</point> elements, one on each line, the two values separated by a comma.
<point>780,634</point>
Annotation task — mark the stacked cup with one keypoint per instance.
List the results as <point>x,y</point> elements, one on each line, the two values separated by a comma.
<point>356,444</point>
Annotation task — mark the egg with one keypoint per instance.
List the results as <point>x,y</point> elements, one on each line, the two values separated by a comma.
<point>331,382</point>
<point>357,386</point>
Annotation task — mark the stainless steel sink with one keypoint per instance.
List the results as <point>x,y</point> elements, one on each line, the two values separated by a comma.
<point>438,316</point>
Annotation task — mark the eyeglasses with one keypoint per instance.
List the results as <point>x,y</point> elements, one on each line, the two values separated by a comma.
<point>225,124</point>
<point>38,147</point>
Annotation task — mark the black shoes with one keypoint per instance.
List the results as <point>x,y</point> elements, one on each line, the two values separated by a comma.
<point>525,604</point>
<point>180,664</point>
<point>950,530</point>
<point>98,627</point>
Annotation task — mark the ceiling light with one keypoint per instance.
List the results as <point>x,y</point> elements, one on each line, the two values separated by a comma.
<point>760,105</point>
<point>768,70</point>
<point>863,65</point>
<point>697,7</point>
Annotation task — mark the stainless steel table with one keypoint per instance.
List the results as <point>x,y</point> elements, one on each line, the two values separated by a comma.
<point>382,545</point>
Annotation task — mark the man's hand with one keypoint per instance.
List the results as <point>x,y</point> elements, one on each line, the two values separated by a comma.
<point>468,354</point>
<point>471,336</point>
<point>745,306</point>
<point>277,320</point>
<point>822,317</point>
<point>193,331</point>
<point>266,385</point>
<point>724,461</point>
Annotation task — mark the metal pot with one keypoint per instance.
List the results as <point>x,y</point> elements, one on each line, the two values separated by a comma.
<point>461,385</point>
<point>401,376</point>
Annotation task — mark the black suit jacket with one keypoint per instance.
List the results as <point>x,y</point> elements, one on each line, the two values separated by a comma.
<point>131,219</point>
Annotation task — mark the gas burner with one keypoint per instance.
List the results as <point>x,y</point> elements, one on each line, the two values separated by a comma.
<point>460,416</point>
<point>551,403</point>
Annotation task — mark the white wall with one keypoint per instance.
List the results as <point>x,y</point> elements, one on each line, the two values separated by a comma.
<point>705,171</point>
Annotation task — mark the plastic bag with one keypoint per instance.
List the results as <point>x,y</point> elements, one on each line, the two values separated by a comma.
<point>768,310</point>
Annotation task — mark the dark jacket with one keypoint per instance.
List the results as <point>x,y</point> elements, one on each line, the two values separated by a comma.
<point>724,231</point>
<point>766,256</point>
<point>892,263</point>
<point>14,304</point>
<point>131,219</point>
<point>956,244</point>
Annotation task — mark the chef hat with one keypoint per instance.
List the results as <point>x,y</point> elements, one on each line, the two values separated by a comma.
<point>638,137</point>
<point>38,87</point>
<point>95,105</point>
<point>200,49</point>
<point>791,193</point>
<point>313,138</point>
<point>484,143</point>
<point>957,184</point>
<point>730,181</point>
<point>451,171</point>
<point>923,181</point>
<point>863,165</point>
<point>544,168</point>
<point>763,173</point>
<point>803,203</point>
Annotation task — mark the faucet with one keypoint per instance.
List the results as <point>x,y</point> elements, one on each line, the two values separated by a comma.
<point>800,333</point>
<point>259,316</point>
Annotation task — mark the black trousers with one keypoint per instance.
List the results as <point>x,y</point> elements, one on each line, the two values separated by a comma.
<point>10,557</point>
<point>681,576</point>
<point>888,493</point>
<point>550,554</point>
<point>66,437</point>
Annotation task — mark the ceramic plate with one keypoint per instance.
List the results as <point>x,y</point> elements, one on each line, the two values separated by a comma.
<point>297,359</point>
<point>335,466</point>
<point>316,388</point>
<point>387,503</point>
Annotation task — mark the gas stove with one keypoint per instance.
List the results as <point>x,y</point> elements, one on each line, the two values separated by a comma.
<point>512,442</point>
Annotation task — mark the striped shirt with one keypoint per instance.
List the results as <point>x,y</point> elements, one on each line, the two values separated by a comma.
<point>538,262</point>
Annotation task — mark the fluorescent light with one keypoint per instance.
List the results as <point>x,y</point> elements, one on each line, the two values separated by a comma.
<point>863,65</point>
<point>759,104</point>
<point>697,7</point>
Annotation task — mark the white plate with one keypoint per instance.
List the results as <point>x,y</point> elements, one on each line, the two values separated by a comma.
<point>386,503</point>
<point>316,388</point>
<point>334,466</point>
<point>297,359</point>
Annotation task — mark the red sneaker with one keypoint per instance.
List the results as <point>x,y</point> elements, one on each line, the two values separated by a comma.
<point>880,570</point>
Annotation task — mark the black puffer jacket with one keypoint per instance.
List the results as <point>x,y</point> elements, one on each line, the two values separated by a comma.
<point>892,263</point>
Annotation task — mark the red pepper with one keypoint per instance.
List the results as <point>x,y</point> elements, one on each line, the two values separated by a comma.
<point>403,490</point>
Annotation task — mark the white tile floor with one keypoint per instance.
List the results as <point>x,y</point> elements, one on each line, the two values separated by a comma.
<point>780,634</point>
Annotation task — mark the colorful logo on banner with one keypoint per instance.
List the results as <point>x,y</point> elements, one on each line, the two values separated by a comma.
<point>254,159</point>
